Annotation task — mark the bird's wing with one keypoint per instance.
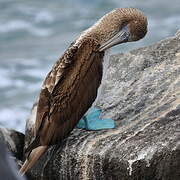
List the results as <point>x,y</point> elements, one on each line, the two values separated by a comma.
<point>68,91</point>
<point>52,79</point>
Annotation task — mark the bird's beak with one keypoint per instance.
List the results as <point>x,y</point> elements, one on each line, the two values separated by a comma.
<point>120,37</point>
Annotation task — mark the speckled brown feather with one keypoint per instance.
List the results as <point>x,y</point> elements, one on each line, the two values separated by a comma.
<point>64,101</point>
<point>112,22</point>
<point>71,86</point>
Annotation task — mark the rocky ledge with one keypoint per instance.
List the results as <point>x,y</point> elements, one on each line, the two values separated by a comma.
<point>14,142</point>
<point>142,93</point>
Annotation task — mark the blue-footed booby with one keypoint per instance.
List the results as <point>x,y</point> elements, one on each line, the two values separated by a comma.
<point>71,86</point>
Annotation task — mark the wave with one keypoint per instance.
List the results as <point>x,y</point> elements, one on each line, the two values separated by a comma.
<point>44,16</point>
<point>13,117</point>
<point>21,25</point>
<point>37,14</point>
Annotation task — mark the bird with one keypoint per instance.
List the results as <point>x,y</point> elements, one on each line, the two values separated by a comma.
<point>71,87</point>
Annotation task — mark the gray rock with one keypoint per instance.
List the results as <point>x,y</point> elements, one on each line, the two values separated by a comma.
<point>14,141</point>
<point>142,93</point>
<point>29,130</point>
<point>8,170</point>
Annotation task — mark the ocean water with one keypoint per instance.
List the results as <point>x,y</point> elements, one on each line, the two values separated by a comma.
<point>34,34</point>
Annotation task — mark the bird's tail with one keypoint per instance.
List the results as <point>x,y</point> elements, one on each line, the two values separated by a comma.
<point>34,144</point>
<point>33,157</point>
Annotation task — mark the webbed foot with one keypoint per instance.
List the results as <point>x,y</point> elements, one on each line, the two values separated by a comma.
<point>92,121</point>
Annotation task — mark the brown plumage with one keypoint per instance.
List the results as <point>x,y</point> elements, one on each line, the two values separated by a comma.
<point>71,86</point>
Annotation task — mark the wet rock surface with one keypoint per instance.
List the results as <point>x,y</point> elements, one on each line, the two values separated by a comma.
<point>142,93</point>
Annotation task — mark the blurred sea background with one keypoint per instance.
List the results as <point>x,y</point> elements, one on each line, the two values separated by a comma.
<point>35,33</point>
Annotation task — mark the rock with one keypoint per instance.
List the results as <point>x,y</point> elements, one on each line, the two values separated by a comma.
<point>142,93</point>
<point>29,130</point>
<point>8,170</point>
<point>14,141</point>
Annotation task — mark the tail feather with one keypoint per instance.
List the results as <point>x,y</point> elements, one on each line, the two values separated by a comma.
<point>33,157</point>
<point>34,144</point>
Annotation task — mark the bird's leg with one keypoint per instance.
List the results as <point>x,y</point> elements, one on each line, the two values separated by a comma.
<point>92,121</point>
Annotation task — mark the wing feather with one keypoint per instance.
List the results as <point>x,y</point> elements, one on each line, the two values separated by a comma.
<point>68,92</point>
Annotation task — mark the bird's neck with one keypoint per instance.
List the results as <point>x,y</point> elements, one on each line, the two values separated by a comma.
<point>98,32</point>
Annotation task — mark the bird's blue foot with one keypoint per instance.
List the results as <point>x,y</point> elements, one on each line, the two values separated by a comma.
<point>92,121</point>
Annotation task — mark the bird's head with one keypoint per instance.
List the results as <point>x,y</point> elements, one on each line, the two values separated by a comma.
<point>119,26</point>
